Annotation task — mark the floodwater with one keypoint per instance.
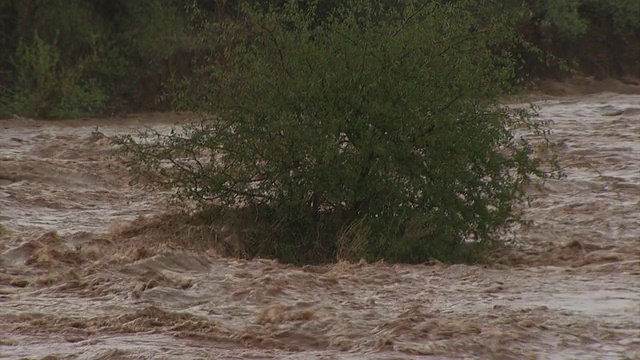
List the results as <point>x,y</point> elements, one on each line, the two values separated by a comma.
<point>79,281</point>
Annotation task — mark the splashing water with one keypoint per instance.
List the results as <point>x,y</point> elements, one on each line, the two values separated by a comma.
<point>67,290</point>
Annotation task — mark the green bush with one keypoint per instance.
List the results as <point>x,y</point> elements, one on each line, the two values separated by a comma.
<point>68,58</point>
<point>372,133</point>
<point>573,17</point>
<point>45,87</point>
<point>588,37</point>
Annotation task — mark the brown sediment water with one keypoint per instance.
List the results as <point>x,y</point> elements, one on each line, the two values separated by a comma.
<point>77,282</point>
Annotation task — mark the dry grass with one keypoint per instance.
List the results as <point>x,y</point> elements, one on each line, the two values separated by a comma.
<point>5,231</point>
<point>277,314</point>
<point>172,228</point>
<point>352,242</point>
<point>200,232</point>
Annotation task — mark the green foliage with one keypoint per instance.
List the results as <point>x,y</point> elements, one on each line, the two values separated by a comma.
<point>45,87</point>
<point>107,49</point>
<point>572,17</point>
<point>68,58</point>
<point>563,15</point>
<point>370,132</point>
<point>624,14</point>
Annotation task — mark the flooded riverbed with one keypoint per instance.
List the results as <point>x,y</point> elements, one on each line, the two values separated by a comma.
<point>78,282</point>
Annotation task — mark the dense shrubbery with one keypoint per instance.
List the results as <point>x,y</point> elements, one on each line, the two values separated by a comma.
<point>371,131</point>
<point>598,38</point>
<point>67,58</point>
<point>573,17</point>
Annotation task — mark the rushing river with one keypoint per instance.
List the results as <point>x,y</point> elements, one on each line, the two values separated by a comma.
<point>78,282</point>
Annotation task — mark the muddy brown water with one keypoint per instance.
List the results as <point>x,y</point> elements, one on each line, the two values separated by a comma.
<point>75,285</point>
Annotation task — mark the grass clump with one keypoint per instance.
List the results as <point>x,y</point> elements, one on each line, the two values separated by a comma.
<point>5,231</point>
<point>371,131</point>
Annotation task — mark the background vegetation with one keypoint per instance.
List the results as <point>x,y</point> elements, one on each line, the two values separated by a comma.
<point>70,58</point>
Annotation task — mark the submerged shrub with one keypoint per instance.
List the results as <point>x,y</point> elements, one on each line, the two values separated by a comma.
<point>371,132</point>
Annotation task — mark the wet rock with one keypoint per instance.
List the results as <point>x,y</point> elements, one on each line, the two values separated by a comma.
<point>611,111</point>
<point>74,338</point>
<point>616,111</point>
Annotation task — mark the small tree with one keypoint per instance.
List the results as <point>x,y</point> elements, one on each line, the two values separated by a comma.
<point>370,132</point>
